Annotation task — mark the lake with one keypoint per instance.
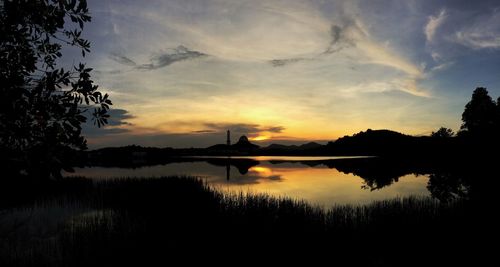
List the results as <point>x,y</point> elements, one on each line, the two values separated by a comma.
<point>323,181</point>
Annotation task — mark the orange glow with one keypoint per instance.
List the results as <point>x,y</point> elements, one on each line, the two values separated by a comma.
<point>262,171</point>
<point>259,138</point>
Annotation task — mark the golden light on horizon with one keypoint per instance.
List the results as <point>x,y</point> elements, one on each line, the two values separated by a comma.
<point>260,138</point>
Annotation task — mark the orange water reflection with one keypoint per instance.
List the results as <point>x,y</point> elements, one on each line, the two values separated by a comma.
<point>318,185</point>
<point>323,186</point>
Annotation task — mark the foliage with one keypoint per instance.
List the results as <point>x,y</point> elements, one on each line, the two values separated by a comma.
<point>479,116</point>
<point>42,107</point>
<point>497,121</point>
<point>443,133</point>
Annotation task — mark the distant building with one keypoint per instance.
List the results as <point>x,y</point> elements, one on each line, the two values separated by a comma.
<point>228,142</point>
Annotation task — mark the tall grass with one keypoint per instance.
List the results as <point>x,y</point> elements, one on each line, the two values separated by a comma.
<point>136,221</point>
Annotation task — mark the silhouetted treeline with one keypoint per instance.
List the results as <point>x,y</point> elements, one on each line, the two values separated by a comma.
<point>394,144</point>
<point>478,135</point>
<point>368,143</point>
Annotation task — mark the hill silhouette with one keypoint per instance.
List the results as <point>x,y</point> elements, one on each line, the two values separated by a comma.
<point>279,147</point>
<point>242,147</point>
<point>384,143</point>
<point>374,142</point>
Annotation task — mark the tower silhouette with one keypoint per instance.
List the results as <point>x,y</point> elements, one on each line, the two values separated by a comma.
<point>228,142</point>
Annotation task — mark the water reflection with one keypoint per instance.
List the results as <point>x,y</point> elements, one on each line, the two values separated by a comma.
<point>323,181</point>
<point>448,186</point>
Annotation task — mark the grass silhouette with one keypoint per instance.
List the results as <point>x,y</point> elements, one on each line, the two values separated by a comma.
<point>138,221</point>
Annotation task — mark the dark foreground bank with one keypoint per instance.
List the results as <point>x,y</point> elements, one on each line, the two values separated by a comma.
<point>162,221</point>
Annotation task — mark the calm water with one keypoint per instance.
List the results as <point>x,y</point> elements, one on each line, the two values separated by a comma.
<point>311,178</point>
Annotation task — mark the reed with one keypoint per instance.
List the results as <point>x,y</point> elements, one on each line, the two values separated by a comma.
<point>136,220</point>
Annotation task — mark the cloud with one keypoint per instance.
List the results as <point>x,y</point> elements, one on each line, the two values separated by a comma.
<point>122,59</point>
<point>161,60</point>
<point>436,56</point>
<point>117,124</point>
<point>274,129</point>
<point>108,72</point>
<point>378,54</point>
<point>286,61</point>
<point>433,24</point>
<point>155,139</point>
<point>180,53</point>
<point>339,40</point>
<point>442,66</point>
<point>337,43</point>
<point>478,39</point>
<point>119,117</point>
<point>316,74</point>
<point>479,32</point>
<point>204,131</point>
<point>119,131</point>
<point>91,131</point>
<point>335,32</point>
<point>407,85</point>
<point>241,128</point>
<point>352,33</point>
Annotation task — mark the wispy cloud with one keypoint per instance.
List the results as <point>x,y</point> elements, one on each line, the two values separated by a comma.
<point>442,66</point>
<point>180,53</point>
<point>241,128</point>
<point>477,39</point>
<point>286,61</point>
<point>353,34</point>
<point>339,37</point>
<point>274,129</point>
<point>436,56</point>
<point>122,59</point>
<point>433,24</point>
<point>204,131</point>
<point>335,33</point>
<point>158,60</point>
<point>481,32</point>
<point>336,44</point>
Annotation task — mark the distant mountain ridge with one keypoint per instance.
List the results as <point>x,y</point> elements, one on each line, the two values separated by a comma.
<point>242,145</point>
<point>365,143</point>
<point>306,146</point>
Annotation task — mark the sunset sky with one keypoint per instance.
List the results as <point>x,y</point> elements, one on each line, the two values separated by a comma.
<point>182,72</point>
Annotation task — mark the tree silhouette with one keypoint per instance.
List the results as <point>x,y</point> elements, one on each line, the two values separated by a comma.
<point>42,107</point>
<point>497,117</point>
<point>443,133</point>
<point>479,114</point>
<point>448,187</point>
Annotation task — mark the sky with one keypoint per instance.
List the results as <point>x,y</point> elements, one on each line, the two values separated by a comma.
<point>182,72</point>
